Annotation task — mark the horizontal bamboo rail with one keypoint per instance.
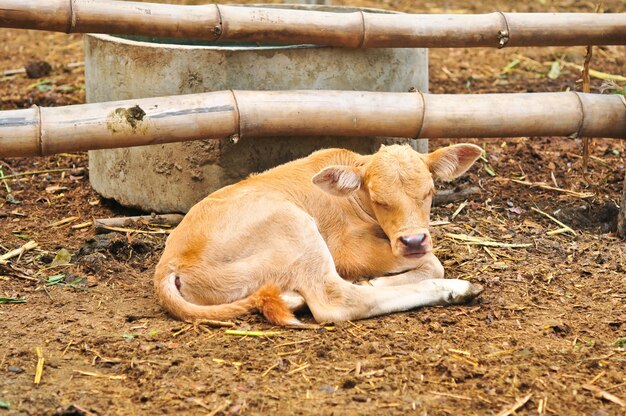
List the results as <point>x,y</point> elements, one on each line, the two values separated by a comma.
<point>358,29</point>
<point>234,114</point>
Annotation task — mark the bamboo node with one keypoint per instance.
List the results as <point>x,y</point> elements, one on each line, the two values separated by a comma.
<point>503,38</point>
<point>503,34</point>
<point>363,30</point>
<point>217,29</point>
<point>39,138</point>
<point>423,112</point>
<point>581,122</point>
<point>71,20</point>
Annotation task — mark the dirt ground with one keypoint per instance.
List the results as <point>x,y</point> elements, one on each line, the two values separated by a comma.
<point>548,331</point>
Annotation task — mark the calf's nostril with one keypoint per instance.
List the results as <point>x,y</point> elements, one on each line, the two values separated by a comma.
<point>413,241</point>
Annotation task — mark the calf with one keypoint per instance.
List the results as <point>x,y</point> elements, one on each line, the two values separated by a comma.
<point>306,231</point>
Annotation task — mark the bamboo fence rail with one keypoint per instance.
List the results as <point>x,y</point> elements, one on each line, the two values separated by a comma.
<point>234,114</point>
<point>358,29</point>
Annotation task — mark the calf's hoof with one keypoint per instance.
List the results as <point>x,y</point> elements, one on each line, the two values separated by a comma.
<point>464,293</point>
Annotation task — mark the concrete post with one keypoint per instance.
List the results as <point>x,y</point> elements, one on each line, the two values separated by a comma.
<point>173,177</point>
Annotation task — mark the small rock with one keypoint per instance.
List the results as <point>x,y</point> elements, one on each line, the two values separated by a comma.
<point>560,328</point>
<point>93,262</point>
<point>37,69</point>
<point>11,199</point>
<point>348,384</point>
<point>327,389</point>
<point>359,398</point>
<point>392,369</point>
<point>55,189</point>
<point>435,327</point>
<point>16,370</point>
<point>100,242</point>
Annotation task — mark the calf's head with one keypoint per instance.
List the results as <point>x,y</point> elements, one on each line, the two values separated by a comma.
<point>395,186</point>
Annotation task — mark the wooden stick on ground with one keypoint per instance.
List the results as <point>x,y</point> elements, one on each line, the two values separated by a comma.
<point>122,224</point>
<point>13,271</point>
<point>18,251</point>
<point>448,196</point>
<point>552,188</point>
<point>599,393</point>
<point>517,405</point>
<point>100,375</point>
<point>215,324</point>
<point>563,226</point>
<point>482,242</point>
<point>132,230</point>
<point>39,367</point>
<point>456,396</point>
<point>242,333</point>
<point>38,172</point>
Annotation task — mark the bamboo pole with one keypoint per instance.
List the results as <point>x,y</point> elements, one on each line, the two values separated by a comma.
<point>348,29</point>
<point>233,114</point>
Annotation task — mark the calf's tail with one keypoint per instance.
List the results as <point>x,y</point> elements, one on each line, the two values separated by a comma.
<point>266,300</point>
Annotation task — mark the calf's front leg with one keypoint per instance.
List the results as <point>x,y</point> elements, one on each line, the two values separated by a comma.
<point>313,275</point>
<point>340,300</point>
<point>429,267</point>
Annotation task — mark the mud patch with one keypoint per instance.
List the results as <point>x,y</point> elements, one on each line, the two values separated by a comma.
<point>190,82</point>
<point>121,119</point>
<point>598,217</point>
<point>133,251</point>
<point>117,245</point>
<point>206,152</point>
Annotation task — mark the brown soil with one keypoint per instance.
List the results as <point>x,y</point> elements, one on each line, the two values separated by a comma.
<point>551,320</point>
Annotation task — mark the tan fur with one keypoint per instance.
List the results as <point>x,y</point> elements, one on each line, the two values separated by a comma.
<point>273,307</point>
<point>311,227</point>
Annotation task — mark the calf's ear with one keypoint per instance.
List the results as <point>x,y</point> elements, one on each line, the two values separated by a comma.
<point>338,180</point>
<point>451,162</point>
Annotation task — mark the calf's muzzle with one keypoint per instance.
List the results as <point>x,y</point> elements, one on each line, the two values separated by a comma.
<point>418,243</point>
